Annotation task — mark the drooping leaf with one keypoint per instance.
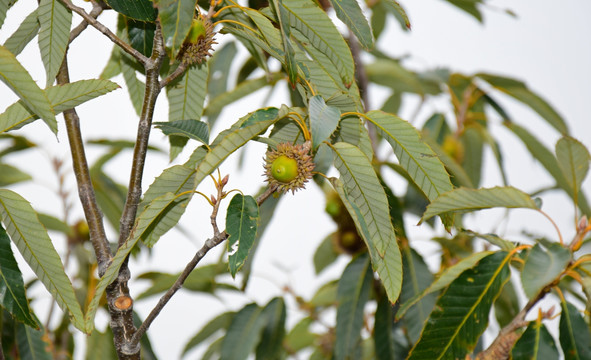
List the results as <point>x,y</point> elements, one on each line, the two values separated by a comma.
<point>31,239</point>
<point>384,344</point>
<point>473,145</point>
<point>416,278</point>
<point>175,17</point>
<point>573,159</point>
<point>391,73</point>
<point>316,26</point>
<point>243,333</point>
<point>11,175</point>
<point>12,287</point>
<point>141,35</point>
<point>142,10</point>
<point>5,5</point>
<point>220,322</point>
<point>549,162</point>
<point>325,254</point>
<point>16,77</point>
<point>414,155</point>
<point>288,49</point>
<point>389,265</point>
<point>542,267</point>
<point>493,239</point>
<point>26,31</point>
<point>135,87</point>
<point>32,343</point>
<point>241,224</point>
<point>349,12</point>
<point>535,343</point>
<point>575,338</point>
<point>469,6</point>
<point>520,91</point>
<point>54,34</point>
<point>398,12</point>
<point>352,294</point>
<point>324,120</point>
<point>466,200</point>
<point>461,313</point>
<point>443,280</point>
<point>62,97</point>
<point>192,129</point>
<point>270,345</point>
<point>113,67</point>
<point>507,305</point>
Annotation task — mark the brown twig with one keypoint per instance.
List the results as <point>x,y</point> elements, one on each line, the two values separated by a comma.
<point>108,33</point>
<point>180,70</point>
<point>208,245</point>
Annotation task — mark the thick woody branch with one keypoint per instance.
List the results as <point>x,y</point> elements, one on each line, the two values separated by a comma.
<point>208,245</point>
<point>108,33</point>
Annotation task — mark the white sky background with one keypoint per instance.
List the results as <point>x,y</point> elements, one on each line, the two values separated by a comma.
<point>547,46</point>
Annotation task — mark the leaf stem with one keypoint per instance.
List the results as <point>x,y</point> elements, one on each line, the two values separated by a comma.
<point>553,224</point>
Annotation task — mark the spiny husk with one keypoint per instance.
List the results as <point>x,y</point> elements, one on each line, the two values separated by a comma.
<point>197,51</point>
<point>305,166</point>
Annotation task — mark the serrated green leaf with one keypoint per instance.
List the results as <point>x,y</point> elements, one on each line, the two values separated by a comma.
<point>535,343</point>
<point>187,94</point>
<point>241,225</point>
<point>461,313</point>
<point>324,120</point>
<point>142,10</point>
<point>192,129</point>
<point>54,35</point>
<point>16,77</point>
<point>220,322</point>
<point>352,294</point>
<point>575,338</point>
<point>31,343</point>
<point>243,333</point>
<point>414,155</point>
<point>62,97</point>
<point>27,30</point>
<point>175,17</point>
<point>11,175</point>
<point>270,345</point>
<point>349,12</point>
<point>288,49</point>
<point>219,69</point>
<point>113,66</point>
<point>110,195</point>
<point>398,12</point>
<point>519,91</point>
<point>549,162</point>
<point>141,35</point>
<point>573,159</point>
<point>12,287</point>
<point>313,23</point>
<point>389,264</point>
<point>5,5</point>
<point>31,239</point>
<point>135,87</point>
<point>542,267</point>
<point>443,280</point>
<point>466,200</point>
<point>416,278</point>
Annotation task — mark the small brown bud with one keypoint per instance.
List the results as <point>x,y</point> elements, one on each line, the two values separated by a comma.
<point>213,200</point>
<point>225,180</point>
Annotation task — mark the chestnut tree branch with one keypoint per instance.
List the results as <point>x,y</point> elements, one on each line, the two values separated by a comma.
<point>108,33</point>
<point>208,245</point>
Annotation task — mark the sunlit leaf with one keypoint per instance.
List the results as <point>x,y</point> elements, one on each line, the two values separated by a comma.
<point>443,280</point>
<point>323,120</point>
<point>31,239</point>
<point>535,343</point>
<point>349,12</point>
<point>27,30</point>
<point>241,224</point>
<point>466,200</point>
<point>542,267</point>
<point>12,287</point>
<point>461,313</point>
<point>62,97</point>
<point>16,77</point>
<point>175,17</point>
<point>352,294</point>
<point>54,34</point>
<point>137,9</point>
<point>575,338</point>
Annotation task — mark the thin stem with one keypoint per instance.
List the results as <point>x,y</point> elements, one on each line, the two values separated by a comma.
<point>180,70</point>
<point>208,245</point>
<point>553,224</point>
<point>108,33</point>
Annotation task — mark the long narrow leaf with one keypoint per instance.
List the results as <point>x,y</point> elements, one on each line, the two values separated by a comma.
<point>31,239</point>
<point>26,31</point>
<point>349,12</point>
<point>461,313</point>
<point>176,17</point>
<point>573,159</point>
<point>535,343</point>
<point>243,334</point>
<point>575,338</point>
<point>14,75</point>
<point>465,200</point>
<point>54,34</point>
<point>31,343</point>
<point>241,224</point>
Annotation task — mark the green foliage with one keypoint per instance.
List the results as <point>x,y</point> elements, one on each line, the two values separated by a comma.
<point>380,293</point>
